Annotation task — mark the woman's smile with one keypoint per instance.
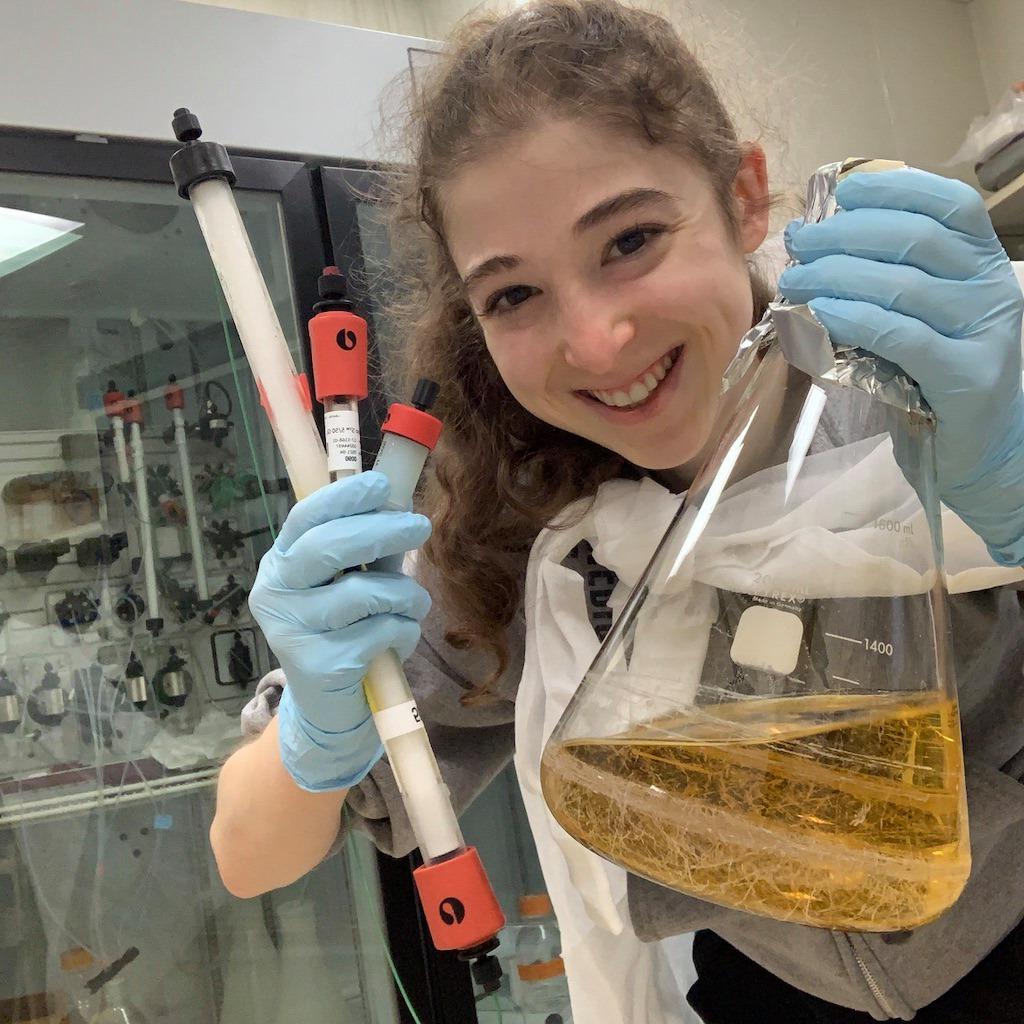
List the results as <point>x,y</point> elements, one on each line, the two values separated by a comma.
<point>641,398</point>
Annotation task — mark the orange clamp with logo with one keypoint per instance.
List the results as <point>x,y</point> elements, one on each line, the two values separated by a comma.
<point>458,901</point>
<point>338,341</point>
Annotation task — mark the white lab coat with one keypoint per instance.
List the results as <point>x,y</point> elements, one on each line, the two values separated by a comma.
<point>614,978</point>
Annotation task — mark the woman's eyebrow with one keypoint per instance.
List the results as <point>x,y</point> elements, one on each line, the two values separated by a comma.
<point>489,267</point>
<point>631,199</point>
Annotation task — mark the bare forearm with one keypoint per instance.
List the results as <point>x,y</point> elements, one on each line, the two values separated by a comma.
<point>267,832</point>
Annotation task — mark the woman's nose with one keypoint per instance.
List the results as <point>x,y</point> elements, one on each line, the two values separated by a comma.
<point>594,339</point>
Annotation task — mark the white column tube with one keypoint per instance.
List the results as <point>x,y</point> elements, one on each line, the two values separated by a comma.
<point>426,797</point>
<point>195,534</point>
<point>305,459</point>
<point>145,524</point>
<point>424,793</point>
<point>120,448</point>
<point>262,338</point>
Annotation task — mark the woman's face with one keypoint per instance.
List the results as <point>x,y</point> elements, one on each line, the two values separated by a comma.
<point>610,290</point>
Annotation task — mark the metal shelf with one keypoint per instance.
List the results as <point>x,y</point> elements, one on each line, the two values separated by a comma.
<point>123,783</point>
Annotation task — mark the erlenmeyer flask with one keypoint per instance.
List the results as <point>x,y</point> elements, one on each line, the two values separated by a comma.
<point>771,724</point>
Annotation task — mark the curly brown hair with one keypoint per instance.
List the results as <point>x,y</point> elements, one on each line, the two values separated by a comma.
<point>499,474</point>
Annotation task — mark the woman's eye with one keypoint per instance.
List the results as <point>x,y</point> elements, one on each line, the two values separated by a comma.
<point>512,297</point>
<point>634,239</point>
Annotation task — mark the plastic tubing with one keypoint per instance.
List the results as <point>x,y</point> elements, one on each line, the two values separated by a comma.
<point>195,535</point>
<point>121,449</point>
<point>145,524</point>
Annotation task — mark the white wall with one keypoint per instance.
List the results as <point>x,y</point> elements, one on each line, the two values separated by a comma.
<point>406,17</point>
<point>120,67</point>
<point>831,78</point>
<point>428,18</point>
<point>999,34</point>
<point>823,78</point>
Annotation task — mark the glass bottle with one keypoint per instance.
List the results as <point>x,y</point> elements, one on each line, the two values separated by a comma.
<point>539,984</point>
<point>116,1006</point>
<point>78,966</point>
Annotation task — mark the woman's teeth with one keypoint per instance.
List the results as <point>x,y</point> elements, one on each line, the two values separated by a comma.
<point>642,388</point>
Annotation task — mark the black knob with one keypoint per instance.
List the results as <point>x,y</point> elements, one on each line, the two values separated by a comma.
<point>186,125</point>
<point>425,394</point>
<point>332,284</point>
<point>240,666</point>
<point>486,971</point>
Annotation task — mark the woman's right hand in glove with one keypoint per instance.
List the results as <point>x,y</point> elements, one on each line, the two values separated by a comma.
<point>326,631</point>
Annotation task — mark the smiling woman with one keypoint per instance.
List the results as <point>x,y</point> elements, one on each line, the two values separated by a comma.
<point>578,215</point>
<point>577,226</point>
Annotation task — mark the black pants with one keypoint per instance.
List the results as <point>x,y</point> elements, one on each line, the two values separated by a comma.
<point>733,989</point>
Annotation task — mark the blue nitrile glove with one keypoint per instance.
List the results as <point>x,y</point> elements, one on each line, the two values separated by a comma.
<point>911,269</point>
<point>325,632</point>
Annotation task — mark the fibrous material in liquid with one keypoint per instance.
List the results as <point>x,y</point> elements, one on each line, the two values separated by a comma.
<point>840,811</point>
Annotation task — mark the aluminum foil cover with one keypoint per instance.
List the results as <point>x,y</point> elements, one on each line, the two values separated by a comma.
<point>136,688</point>
<point>51,701</point>
<point>806,343</point>
<point>174,684</point>
<point>10,709</point>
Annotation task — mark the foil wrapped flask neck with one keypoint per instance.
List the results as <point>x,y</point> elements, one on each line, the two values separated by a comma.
<point>806,343</point>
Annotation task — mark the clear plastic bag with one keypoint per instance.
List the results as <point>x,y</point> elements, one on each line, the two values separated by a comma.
<point>990,132</point>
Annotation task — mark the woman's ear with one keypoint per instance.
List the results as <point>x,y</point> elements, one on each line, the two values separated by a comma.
<point>750,189</point>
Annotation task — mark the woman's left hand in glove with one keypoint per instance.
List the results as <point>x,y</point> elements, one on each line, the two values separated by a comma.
<point>911,269</point>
